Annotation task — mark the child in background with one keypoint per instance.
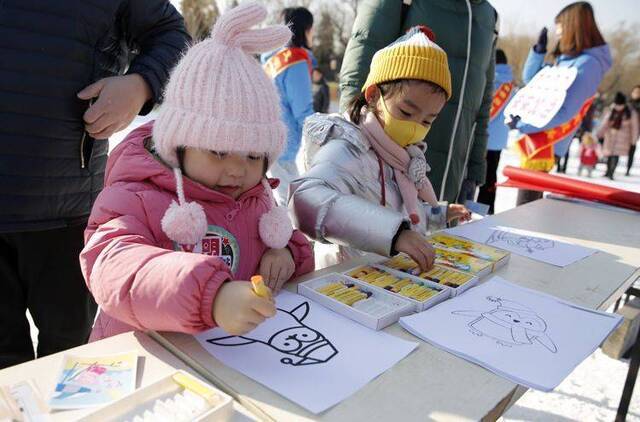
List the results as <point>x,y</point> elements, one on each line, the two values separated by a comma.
<point>588,154</point>
<point>187,214</point>
<point>366,188</point>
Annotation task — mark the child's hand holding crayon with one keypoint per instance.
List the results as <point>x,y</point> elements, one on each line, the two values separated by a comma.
<point>238,308</point>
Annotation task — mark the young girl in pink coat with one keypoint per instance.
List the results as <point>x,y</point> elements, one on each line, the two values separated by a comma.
<point>187,214</point>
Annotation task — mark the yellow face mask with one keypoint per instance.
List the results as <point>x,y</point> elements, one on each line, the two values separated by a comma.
<point>403,132</point>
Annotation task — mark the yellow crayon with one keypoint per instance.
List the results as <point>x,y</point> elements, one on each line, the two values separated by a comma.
<point>257,282</point>
<point>357,299</point>
<point>338,292</point>
<point>343,294</point>
<point>328,288</point>
<point>401,283</point>
<point>349,300</point>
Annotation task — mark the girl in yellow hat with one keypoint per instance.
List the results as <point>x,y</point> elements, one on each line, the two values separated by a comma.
<point>366,188</point>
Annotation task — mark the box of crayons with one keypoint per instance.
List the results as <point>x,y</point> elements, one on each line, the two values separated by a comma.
<point>355,300</point>
<point>177,397</point>
<point>460,261</point>
<point>423,294</point>
<point>497,257</point>
<point>457,281</point>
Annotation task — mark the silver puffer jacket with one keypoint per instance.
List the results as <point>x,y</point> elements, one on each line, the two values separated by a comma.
<point>338,199</point>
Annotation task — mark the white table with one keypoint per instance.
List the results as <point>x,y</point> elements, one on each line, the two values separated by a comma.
<point>433,384</point>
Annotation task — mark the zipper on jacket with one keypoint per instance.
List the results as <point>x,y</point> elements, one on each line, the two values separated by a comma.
<point>466,158</point>
<point>83,164</point>
<point>463,88</point>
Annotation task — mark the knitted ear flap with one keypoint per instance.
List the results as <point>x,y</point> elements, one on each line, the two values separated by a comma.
<point>184,222</point>
<point>275,227</point>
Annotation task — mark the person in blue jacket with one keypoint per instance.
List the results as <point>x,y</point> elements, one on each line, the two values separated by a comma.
<point>503,88</point>
<point>291,68</point>
<point>582,46</point>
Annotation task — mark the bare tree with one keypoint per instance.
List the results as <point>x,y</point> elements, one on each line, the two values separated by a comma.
<point>516,48</point>
<point>624,73</point>
<point>199,17</point>
<point>324,45</point>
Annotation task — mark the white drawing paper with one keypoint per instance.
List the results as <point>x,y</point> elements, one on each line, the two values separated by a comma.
<point>522,242</point>
<point>539,101</point>
<point>528,337</point>
<point>308,354</point>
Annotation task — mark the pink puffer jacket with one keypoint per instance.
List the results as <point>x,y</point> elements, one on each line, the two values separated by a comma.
<point>138,276</point>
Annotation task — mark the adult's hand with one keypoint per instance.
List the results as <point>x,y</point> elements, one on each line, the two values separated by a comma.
<point>120,99</point>
<point>541,45</point>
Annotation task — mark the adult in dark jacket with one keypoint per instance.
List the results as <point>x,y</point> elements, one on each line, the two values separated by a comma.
<point>72,73</point>
<point>321,96</point>
<point>467,31</point>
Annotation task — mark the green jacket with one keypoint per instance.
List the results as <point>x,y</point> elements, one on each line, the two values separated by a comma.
<point>379,22</point>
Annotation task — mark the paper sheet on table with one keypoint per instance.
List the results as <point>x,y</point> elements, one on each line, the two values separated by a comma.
<point>93,381</point>
<point>522,242</point>
<point>310,355</point>
<point>526,336</point>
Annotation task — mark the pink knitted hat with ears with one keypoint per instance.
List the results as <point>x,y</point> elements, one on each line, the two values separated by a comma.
<point>219,98</point>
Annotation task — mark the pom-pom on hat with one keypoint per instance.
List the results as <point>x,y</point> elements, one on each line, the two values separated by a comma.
<point>218,98</point>
<point>414,55</point>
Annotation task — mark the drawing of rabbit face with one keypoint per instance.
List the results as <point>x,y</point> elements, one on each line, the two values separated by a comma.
<point>528,322</point>
<point>300,344</point>
<point>293,339</point>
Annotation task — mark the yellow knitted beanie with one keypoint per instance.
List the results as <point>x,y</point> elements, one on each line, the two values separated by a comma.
<point>412,56</point>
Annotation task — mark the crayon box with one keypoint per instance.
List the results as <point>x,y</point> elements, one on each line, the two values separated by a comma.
<point>371,307</point>
<point>423,294</point>
<point>456,281</point>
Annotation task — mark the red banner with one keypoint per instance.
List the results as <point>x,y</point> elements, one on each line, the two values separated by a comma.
<point>500,98</point>
<point>286,58</point>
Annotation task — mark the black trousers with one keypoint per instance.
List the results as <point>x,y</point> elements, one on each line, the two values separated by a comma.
<point>632,152</point>
<point>487,194</point>
<point>40,271</point>
<point>562,163</point>
<point>612,163</point>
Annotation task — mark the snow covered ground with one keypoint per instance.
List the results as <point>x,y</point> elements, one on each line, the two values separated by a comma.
<point>592,392</point>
